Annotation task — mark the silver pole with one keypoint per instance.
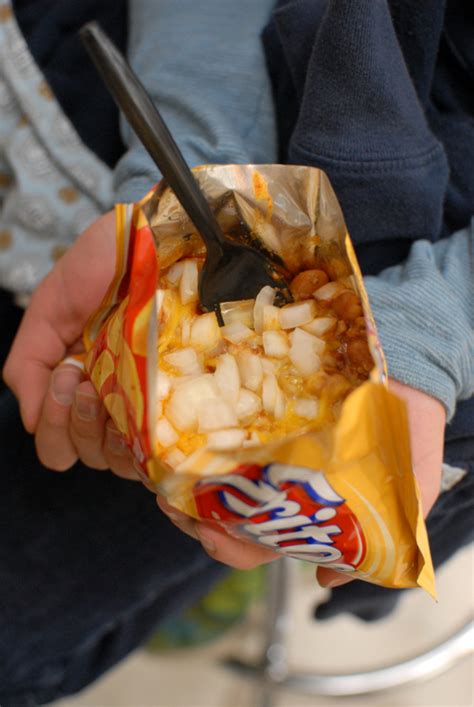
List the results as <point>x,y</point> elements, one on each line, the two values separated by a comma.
<point>458,645</point>
<point>426,665</point>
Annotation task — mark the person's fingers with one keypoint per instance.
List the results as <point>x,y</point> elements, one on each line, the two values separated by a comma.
<point>236,553</point>
<point>97,441</point>
<point>218,543</point>
<point>87,426</point>
<point>180,520</point>
<point>118,457</point>
<point>36,350</point>
<point>53,442</point>
<point>329,578</point>
<point>427,421</point>
<point>57,314</point>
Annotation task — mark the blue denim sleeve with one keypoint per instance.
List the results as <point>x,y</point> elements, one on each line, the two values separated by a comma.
<point>203,64</point>
<point>424,309</point>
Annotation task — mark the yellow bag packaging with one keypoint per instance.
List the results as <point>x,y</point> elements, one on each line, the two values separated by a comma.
<point>334,485</point>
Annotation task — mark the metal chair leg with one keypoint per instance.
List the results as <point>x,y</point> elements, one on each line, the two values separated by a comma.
<point>273,671</point>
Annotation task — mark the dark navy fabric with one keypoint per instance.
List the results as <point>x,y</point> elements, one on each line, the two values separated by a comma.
<point>88,566</point>
<point>379,94</point>
<point>50,28</point>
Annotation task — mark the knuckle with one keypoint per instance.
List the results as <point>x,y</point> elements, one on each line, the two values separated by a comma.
<point>88,445</point>
<point>89,432</point>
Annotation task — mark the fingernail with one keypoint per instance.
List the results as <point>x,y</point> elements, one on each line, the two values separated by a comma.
<point>63,384</point>
<point>206,541</point>
<point>115,441</point>
<point>86,406</point>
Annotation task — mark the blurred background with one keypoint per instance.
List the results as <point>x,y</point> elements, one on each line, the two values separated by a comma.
<point>196,677</point>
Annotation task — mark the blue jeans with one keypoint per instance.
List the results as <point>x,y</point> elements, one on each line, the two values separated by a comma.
<point>89,566</point>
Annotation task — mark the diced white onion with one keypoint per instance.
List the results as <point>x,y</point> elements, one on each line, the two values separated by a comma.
<point>160,298</point>
<point>205,332</point>
<point>186,331</point>
<point>188,286</point>
<point>318,344</point>
<point>236,332</point>
<point>182,407</point>
<point>280,405</point>
<point>303,353</point>
<point>327,292</point>
<point>177,381</point>
<point>216,414</point>
<point>226,440</point>
<point>174,457</point>
<point>248,405</point>
<point>268,366</point>
<point>320,325</point>
<point>227,377</point>
<point>175,272</point>
<point>241,311</point>
<point>264,298</point>
<point>271,317</point>
<point>275,344</point>
<point>293,315</point>
<point>254,440</point>
<point>163,385</point>
<point>185,360</point>
<point>274,402</point>
<point>251,372</point>
<point>306,407</point>
<point>187,465</point>
<point>165,433</point>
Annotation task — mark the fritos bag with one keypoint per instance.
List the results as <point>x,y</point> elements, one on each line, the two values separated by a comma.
<point>338,491</point>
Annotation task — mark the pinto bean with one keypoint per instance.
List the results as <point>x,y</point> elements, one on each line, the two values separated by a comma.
<point>359,355</point>
<point>305,283</point>
<point>347,306</point>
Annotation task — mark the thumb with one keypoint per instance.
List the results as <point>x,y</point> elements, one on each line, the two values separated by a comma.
<point>57,314</point>
<point>35,352</point>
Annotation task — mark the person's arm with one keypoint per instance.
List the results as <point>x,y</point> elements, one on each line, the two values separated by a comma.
<point>203,64</point>
<point>424,309</point>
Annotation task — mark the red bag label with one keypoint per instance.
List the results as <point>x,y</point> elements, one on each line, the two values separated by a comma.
<point>288,509</point>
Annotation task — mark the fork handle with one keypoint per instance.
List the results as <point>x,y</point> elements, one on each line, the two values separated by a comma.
<point>137,106</point>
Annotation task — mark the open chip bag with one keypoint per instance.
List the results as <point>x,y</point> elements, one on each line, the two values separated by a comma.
<point>278,425</point>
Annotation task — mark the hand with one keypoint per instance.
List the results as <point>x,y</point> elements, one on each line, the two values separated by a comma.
<point>427,420</point>
<point>56,404</point>
<point>221,546</point>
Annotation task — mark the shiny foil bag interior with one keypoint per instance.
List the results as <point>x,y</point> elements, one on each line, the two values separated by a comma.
<point>339,490</point>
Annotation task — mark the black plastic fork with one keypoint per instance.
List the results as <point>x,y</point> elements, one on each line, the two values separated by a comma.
<point>232,271</point>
